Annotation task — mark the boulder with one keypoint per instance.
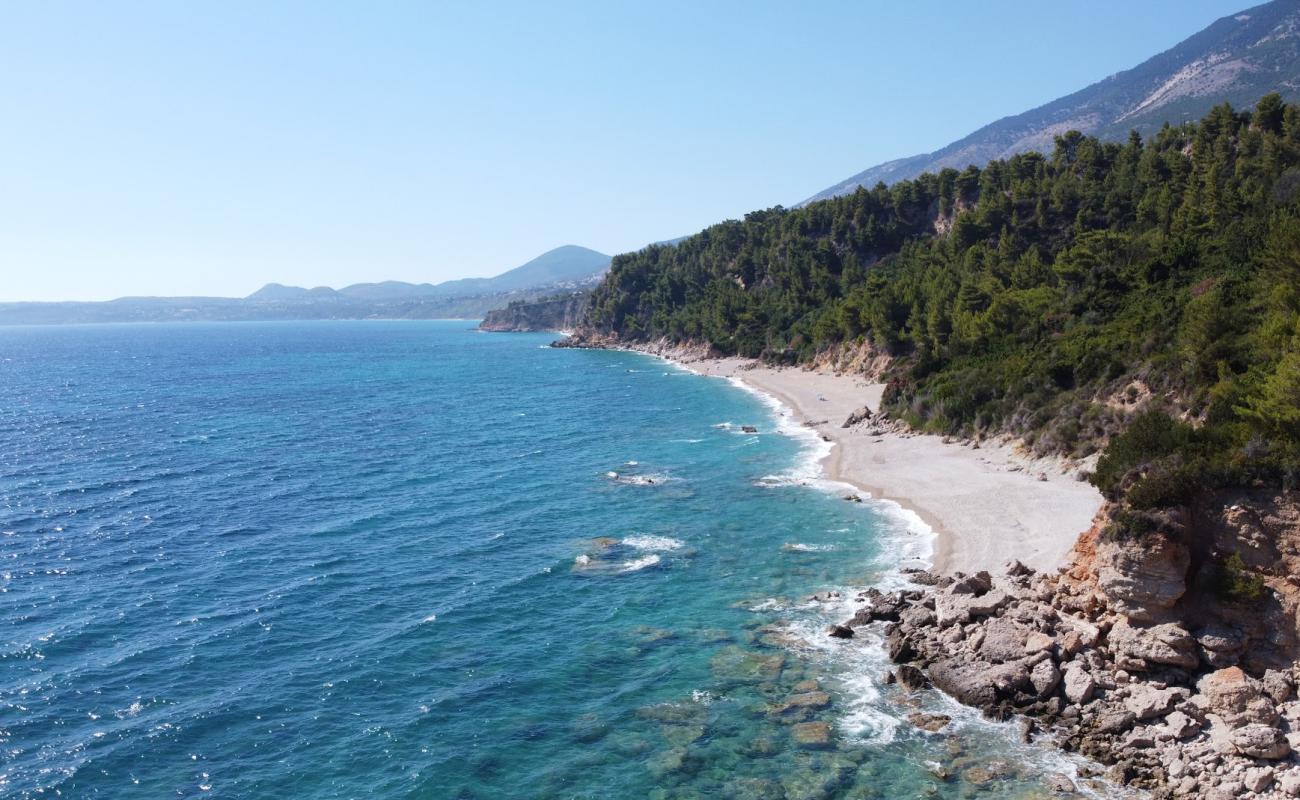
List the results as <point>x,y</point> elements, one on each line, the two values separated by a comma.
<point>899,646</point>
<point>1148,702</point>
<point>1079,685</point>
<point>1142,577</point>
<point>1144,648</point>
<point>1088,633</point>
<point>1140,738</point>
<point>1114,721</point>
<point>1038,643</point>
<point>959,608</point>
<point>1235,697</point>
<point>1257,779</point>
<point>1044,677</point>
<point>977,584</point>
<point>1260,741</point>
<point>980,683</point>
<point>1003,641</point>
<point>839,632</point>
<point>1289,783</point>
<point>1180,726</point>
<point>1015,569</point>
<point>911,678</point>
<point>1277,685</point>
<point>1219,645</point>
<point>917,617</point>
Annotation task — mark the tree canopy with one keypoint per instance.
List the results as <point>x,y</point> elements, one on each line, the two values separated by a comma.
<point>1048,296</point>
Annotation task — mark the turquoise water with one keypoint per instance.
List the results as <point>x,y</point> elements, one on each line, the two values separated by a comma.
<point>388,559</point>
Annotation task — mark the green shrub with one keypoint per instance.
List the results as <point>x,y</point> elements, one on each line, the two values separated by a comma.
<point>1235,583</point>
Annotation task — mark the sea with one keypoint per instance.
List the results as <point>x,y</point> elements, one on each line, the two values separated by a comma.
<point>402,559</point>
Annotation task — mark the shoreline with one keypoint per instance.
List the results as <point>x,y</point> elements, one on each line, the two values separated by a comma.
<point>986,505</point>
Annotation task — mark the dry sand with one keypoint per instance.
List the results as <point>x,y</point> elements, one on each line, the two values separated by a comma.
<point>988,504</point>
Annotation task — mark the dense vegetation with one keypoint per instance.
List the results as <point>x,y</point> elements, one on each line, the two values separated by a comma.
<point>1047,296</point>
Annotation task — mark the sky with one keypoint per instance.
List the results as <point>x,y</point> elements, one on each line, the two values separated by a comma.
<point>184,148</point>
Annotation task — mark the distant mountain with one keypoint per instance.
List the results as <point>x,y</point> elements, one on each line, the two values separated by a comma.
<point>567,265</point>
<point>1238,59</point>
<point>563,267</point>
<point>566,268</point>
<point>279,293</point>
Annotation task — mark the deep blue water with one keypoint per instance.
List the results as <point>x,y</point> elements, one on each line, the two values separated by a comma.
<point>388,559</point>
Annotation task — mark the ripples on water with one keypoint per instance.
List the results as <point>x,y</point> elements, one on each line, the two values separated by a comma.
<point>331,560</point>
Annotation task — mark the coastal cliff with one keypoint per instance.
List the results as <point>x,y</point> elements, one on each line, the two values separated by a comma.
<point>1171,659</point>
<point>556,313</point>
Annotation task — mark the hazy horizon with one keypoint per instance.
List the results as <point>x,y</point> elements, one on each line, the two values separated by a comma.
<point>160,150</point>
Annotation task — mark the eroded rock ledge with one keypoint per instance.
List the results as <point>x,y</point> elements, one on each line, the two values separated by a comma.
<point>1109,659</point>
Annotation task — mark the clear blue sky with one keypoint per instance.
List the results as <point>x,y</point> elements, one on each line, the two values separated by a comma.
<point>206,148</point>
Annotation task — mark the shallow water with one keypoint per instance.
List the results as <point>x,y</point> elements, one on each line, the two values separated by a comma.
<point>405,559</point>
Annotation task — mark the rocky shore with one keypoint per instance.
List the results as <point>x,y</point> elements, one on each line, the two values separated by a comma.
<point>1108,658</point>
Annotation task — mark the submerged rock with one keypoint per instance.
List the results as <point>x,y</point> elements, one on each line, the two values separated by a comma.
<point>813,735</point>
<point>813,700</point>
<point>745,666</point>
<point>929,722</point>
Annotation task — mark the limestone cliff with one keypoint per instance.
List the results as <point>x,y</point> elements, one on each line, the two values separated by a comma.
<point>557,313</point>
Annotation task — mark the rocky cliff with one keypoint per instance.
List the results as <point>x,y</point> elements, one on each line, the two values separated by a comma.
<point>556,313</point>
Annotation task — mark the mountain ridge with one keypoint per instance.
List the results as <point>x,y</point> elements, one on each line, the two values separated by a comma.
<point>568,263</point>
<point>1236,59</point>
<point>565,268</point>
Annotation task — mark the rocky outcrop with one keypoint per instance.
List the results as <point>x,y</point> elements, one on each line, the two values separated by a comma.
<point>1142,579</point>
<point>558,313</point>
<point>1142,692</point>
<point>861,415</point>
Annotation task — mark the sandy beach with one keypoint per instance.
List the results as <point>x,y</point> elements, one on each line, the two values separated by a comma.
<point>988,504</point>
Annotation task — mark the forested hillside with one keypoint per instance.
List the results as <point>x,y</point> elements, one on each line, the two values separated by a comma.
<point>1050,296</point>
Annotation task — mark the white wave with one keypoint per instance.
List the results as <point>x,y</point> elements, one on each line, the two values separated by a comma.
<point>640,563</point>
<point>582,560</point>
<point>800,547</point>
<point>648,479</point>
<point>653,543</point>
<point>778,481</point>
<point>430,618</point>
<point>865,717</point>
<point>769,604</point>
<point>702,697</point>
